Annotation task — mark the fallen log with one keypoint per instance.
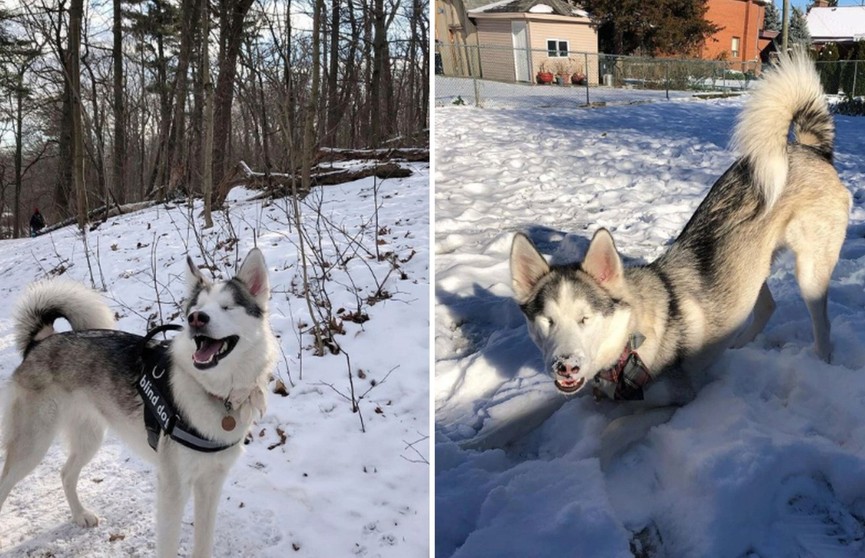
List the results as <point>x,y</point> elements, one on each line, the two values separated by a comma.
<point>280,184</point>
<point>408,154</point>
<point>100,214</point>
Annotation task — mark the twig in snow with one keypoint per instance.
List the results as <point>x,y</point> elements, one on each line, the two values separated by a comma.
<point>410,445</point>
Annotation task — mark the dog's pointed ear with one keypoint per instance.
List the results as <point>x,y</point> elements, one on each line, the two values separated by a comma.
<point>528,266</point>
<point>602,260</point>
<point>194,277</point>
<point>253,274</point>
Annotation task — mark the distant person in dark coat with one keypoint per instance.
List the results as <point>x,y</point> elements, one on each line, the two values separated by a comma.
<point>37,222</point>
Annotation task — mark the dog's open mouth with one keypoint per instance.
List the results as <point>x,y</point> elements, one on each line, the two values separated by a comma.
<point>209,351</point>
<point>569,385</point>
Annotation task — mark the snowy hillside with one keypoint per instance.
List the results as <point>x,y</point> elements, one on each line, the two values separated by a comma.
<point>310,482</point>
<point>768,461</point>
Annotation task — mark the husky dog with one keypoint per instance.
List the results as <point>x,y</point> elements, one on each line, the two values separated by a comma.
<point>212,378</point>
<point>617,329</point>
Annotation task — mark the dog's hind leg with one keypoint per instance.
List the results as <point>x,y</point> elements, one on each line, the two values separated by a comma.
<point>815,293</point>
<point>85,435</point>
<point>763,309</point>
<point>29,428</point>
<point>816,250</point>
<point>206,489</point>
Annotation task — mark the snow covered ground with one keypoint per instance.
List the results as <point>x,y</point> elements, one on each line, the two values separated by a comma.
<point>767,461</point>
<point>310,483</point>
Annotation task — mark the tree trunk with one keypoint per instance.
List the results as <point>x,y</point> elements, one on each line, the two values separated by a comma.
<point>97,122</point>
<point>175,152</point>
<point>333,112</point>
<point>207,124</point>
<point>73,76</point>
<point>159,172</point>
<point>232,14</point>
<point>309,122</point>
<point>64,183</point>
<point>119,159</point>
<point>19,141</point>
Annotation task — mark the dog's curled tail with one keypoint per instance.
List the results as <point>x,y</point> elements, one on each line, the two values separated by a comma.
<point>789,93</point>
<point>45,301</point>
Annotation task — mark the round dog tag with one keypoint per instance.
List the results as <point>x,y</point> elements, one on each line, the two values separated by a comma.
<point>228,423</point>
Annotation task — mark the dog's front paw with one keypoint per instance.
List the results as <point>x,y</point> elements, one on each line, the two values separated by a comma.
<point>85,518</point>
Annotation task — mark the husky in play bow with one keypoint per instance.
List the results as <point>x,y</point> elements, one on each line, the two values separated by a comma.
<point>186,405</point>
<point>615,330</point>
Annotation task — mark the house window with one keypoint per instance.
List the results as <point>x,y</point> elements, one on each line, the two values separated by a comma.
<point>735,47</point>
<point>557,48</point>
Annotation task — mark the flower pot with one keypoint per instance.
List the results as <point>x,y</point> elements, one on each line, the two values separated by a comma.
<point>560,80</point>
<point>545,77</point>
<point>578,79</point>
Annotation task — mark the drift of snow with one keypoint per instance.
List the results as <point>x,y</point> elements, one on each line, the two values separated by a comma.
<point>768,460</point>
<point>309,483</point>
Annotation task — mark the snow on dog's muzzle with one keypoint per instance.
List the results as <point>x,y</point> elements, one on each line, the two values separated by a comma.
<point>209,351</point>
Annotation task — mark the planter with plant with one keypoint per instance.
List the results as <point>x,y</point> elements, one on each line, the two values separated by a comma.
<point>545,76</point>
<point>563,71</point>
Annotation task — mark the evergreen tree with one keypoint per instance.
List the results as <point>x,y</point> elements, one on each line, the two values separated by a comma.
<point>798,33</point>
<point>658,27</point>
<point>830,70</point>
<point>772,20</point>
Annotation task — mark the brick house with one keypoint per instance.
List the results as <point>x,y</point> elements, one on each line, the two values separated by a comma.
<point>740,38</point>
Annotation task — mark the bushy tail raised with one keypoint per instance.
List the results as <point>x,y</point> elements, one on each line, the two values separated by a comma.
<point>789,93</point>
<point>45,301</point>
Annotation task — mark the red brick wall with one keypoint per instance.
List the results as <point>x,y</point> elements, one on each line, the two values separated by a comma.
<point>732,16</point>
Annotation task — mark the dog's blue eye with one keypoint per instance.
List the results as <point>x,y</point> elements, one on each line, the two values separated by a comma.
<point>225,307</point>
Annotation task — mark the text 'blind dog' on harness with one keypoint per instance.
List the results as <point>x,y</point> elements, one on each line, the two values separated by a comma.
<point>160,411</point>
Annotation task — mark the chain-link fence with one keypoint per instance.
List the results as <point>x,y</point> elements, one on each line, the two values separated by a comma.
<point>498,75</point>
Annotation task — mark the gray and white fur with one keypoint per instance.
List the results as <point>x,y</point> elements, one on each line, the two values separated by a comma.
<point>79,382</point>
<point>695,300</point>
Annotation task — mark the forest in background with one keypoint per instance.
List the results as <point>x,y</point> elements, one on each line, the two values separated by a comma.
<point>109,103</point>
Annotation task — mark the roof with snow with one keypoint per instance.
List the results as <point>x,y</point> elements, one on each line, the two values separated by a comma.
<point>843,23</point>
<point>552,7</point>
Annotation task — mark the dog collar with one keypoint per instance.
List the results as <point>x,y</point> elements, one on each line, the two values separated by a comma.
<point>624,381</point>
<point>160,411</point>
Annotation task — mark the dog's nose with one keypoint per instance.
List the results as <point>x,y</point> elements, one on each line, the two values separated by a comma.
<point>563,368</point>
<point>198,319</point>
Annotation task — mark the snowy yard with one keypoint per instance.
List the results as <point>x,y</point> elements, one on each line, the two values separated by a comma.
<point>767,461</point>
<point>310,482</point>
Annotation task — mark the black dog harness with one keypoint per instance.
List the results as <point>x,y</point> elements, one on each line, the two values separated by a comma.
<point>624,380</point>
<point>160,411</point>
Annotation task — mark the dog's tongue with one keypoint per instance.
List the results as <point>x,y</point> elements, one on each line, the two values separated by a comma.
<point>207,350</point>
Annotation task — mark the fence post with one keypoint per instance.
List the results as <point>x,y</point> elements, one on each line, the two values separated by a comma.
<point>855,71</point>
<point>667,77</point>
<point>586,66</point>
<point>529,62</point>
<point>477,92</point>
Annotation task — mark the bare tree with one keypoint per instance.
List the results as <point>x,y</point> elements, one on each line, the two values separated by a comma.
<point>232,14</point>
<point>207,124</point>
<point>119,156</point>
<point>73,76</point>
